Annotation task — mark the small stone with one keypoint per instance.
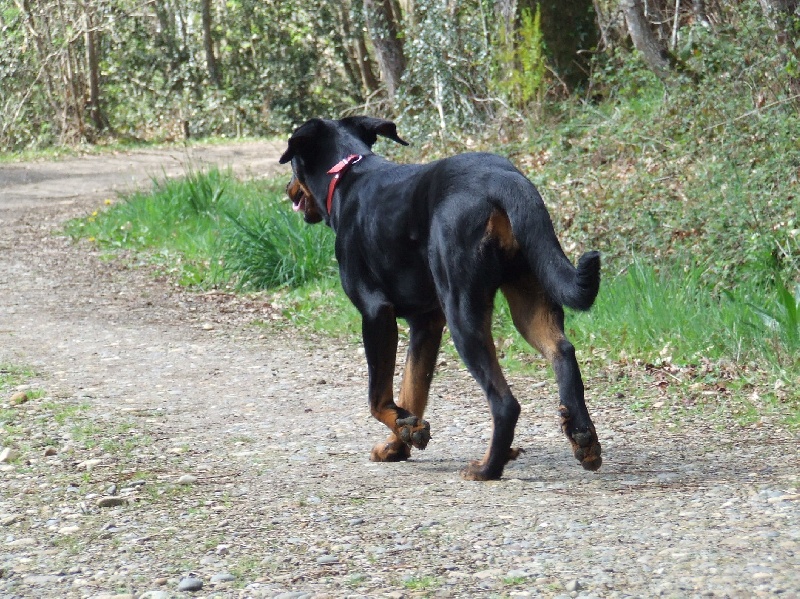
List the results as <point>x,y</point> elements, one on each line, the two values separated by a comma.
<point>155,595</point>
<point>222,577</point>
<point>572,585</point>
<point>68,530</point>
<point>19,398</point>
<point>190,583</point>
<point>327,559</point>
<point>207,326</point>
<point>42,579</point>
<point>111,501</point>
<point>88,465</point>
<point>50,451</point>
<point>491,573</point>
<point>23,542</point>
<point>187,479</point>
<point>355,521</point>
<point>787,497</point>
<point>8,455</point>
<point>223,549</point>
<point>9,519</point>
<point>161,581</point>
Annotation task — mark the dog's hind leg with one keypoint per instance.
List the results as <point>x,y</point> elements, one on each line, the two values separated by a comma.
<point>469,321</point>
<point>541,323</point>
<point>379,329</point>
<point>425,338</point>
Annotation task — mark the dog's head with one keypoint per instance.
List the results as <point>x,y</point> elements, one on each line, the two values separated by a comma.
<point>319,144</point>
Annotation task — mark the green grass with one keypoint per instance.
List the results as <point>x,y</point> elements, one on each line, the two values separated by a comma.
<point>420,583</point>
<point>208,229</point>
<point>12,375</point>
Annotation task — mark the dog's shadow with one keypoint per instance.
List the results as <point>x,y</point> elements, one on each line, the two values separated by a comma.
<point>678,462</point>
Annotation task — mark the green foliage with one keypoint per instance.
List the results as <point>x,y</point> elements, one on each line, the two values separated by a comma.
<point>447,74</point>
<point>276,60</point>
<point>708,171</point>
<point>269,246</point>
<point>784,318</point>
<point>12,375</point>
<point>520,70</point>
<point>207,229</point>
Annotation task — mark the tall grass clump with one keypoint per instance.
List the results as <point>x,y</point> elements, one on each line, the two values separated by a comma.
<point>209,229</point>
<point>269,246</point>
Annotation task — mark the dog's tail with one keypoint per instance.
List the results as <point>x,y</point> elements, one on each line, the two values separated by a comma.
<point>533,229</point>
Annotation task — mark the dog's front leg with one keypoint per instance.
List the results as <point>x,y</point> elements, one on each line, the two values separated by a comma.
<point>425,338</point>
<point>379,329</point>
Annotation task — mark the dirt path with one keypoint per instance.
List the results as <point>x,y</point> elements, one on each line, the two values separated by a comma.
<point>238,453</point>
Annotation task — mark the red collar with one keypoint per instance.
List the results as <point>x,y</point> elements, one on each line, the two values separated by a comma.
<point>337,171</point>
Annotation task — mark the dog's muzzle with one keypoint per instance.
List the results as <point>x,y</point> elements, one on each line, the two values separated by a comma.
<point>297,195</point>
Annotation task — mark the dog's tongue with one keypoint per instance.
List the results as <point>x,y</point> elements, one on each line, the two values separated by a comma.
<point>300,205</point>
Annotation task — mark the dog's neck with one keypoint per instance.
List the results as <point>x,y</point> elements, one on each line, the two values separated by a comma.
<point>338,171</point>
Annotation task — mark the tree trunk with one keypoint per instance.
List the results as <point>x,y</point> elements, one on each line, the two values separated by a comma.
<point>653,52</point>
<point>208,45</point>
<point>384,28</point>
<point>74,85</point>
<point>506,13</point>
<point>371,83</point>
<point>700,14</point>
<point>92,61</point>
<point>43,54</point>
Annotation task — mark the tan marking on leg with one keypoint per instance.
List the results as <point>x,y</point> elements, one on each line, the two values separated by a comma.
<point>415,386</point>
<point>414,391</point>
<point>498,228</point>
<point>534,316</point>
<point>538,322</point>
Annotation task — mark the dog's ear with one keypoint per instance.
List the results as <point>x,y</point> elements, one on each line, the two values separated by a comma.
<point>304,134</point>
<point>368,128</point>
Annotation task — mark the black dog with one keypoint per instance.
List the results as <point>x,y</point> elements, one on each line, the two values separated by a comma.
<point>432,244</point>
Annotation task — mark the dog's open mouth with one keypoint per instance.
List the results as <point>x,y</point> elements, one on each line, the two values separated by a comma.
<point>299,201</point>
<point>297,195</point>
<point>302,201</point>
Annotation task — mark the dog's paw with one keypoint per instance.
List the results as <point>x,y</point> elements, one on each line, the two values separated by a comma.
<point>478,470</point>
<point>585,444</point>
<point>414,431</point>
<point>392,450</point>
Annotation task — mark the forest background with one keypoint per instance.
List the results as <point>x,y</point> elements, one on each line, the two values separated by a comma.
<point>661,132</point>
